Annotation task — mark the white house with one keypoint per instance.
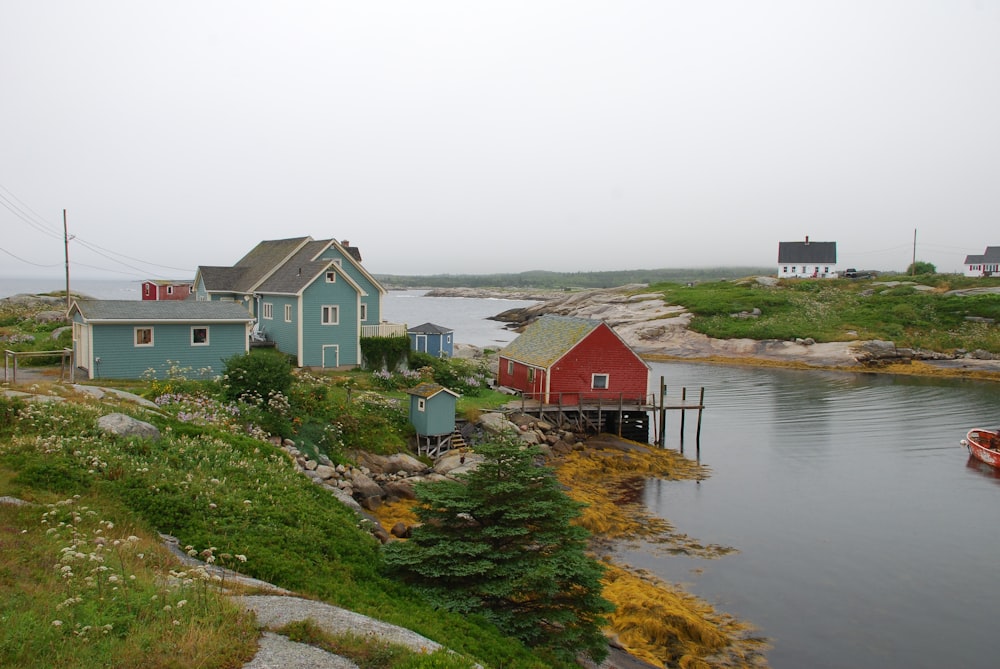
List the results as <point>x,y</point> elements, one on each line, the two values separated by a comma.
<point>805,260</point>
<point>987,264</point>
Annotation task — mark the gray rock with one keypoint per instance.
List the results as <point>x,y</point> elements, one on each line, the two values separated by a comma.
<point>403,462</point>
<point>495,423</point>
<point>126,426</point>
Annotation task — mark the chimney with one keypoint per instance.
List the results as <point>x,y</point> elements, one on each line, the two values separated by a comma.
<point>345,243</point>
<point>807,240</point>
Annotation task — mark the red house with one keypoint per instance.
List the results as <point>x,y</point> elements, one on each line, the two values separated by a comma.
<point>166,290</point>
<point>566,360</point>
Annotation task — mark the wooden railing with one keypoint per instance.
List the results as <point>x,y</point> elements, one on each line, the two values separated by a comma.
<point>384,330</point>
<point>10,359</point>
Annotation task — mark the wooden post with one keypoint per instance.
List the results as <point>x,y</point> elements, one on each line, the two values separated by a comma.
<point>701,407</point>
<point>663,413</point>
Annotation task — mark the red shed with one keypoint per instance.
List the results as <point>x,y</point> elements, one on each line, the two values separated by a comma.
<point>567,360</point>
<point>165,290</point>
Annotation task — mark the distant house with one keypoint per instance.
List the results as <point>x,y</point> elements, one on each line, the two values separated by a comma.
<point>311,298</point>
<point>803,260</point>
<point>988,264</point>
<point>432,414</point>
<point>128,339</point>
<point>568,360</point>
<point>166,290</point>
<point>433,340</point>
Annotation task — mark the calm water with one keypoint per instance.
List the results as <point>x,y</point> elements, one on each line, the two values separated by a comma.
<point>865,536</point>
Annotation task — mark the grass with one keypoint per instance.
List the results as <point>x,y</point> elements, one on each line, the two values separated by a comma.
<point>211,486</point>
<point>844,310</point>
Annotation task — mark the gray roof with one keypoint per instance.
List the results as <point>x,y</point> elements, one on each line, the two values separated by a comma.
<point>298,272</point>
<point>549,338</point>
<point>429,328</point>
<point>807,252</point>
<point>146,311</point>
<point>992,255</point>
<point>252,268</point>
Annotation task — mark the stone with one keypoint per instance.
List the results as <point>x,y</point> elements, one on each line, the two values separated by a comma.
<point>400,530</point>
<point>325,472</point>
<point>126,426</point>
<point>366,491</point>
<point>495,423</point>
<point>403,462</point>
<point>401,489</point>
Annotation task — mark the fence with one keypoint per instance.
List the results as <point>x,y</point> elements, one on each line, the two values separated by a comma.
<point>10,359</point>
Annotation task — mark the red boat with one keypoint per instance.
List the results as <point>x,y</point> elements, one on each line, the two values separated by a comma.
<point>984,445</point>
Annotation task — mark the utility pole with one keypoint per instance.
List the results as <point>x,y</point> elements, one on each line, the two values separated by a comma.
<point>66,247</point>
<point>913,265</point>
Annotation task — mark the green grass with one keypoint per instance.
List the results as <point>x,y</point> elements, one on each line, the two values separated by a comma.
<point>844,310</point>
<point>213,488</point>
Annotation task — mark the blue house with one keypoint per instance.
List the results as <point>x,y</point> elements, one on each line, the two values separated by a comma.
<point>311,298</point>
<point>433,340</point>
<point>432,413</point>
<point>129,339</point>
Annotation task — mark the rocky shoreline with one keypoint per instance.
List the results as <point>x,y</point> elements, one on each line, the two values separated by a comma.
<point>659,331</point>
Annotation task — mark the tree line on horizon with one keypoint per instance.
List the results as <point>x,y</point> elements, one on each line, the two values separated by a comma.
<point>570,280</point>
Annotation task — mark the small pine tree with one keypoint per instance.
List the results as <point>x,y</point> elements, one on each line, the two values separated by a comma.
<point>499,542</point>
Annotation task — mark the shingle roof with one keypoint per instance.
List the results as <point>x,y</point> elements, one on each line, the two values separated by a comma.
<point>156,310</point>
<point>546,340</point>
<point>807,252</point>
<point>992,255</point>
<point>428,390</point>
<point>252,268</point>
<point>298,272</point>
<point>429,328</point>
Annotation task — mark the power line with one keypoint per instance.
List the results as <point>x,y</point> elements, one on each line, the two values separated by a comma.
<point>27,262</point>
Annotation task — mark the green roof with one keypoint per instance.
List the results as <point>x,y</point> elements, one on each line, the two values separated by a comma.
<point>549,338</point>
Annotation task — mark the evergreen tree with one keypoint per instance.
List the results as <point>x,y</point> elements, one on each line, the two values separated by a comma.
<point>499,543</point>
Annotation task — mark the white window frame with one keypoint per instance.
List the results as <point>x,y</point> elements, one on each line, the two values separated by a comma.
<point>267,310</point>
<point>170,290</point>
<point>329,314</point>
<point>331,277</point>
<point>288,313</point>
<point>421,404</point>
<point>194,328</point>
<point>364,311</point>
<point>510,367</point>
<point>593,381</point>
<point>135,336</point>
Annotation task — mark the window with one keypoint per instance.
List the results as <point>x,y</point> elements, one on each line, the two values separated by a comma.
<point>170,290</point>
<point>331,315</point>
<point>421,404</point>
<point>531,374</point>
<point>785,269</point>
<point>510,367</point>
<point>145,289</point>
<point>364,312</point>
<point>199,336</point>
<point>331,277</point>
<point>267,310</point>
<point>288,313</point>
<point>599,381</point>
<point>144,336</point>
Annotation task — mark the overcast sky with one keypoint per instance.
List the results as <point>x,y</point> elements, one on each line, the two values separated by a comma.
<point>480,137</point>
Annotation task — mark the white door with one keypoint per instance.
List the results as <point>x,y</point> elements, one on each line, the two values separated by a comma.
<point>331,355</point>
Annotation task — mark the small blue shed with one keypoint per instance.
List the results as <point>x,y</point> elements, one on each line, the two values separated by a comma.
<point>432,413</point>
<point>433,340</point>
<point>129,339</point>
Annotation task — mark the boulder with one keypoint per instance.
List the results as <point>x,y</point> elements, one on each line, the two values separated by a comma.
<point>495,423</point>
<point>126,426</point>
<point>403,462</point>
<point>366,491</point>
<point>401,489</point>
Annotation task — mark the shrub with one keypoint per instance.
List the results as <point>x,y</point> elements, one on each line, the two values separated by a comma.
<point>256,374</point>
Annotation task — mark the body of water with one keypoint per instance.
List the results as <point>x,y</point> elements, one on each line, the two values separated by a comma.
<point>102,289</point>
<point>866,537</point>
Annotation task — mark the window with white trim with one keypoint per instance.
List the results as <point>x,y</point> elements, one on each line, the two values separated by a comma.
<point>421,404</point>
<point>364,312</point>
<point>144,336</point>
<point>510,367</point>
<point>331,277</point>
<point>267,310</point>
<point>288,313</point>
<point>199,336</point>
<point>599,381</point>
<point>330,314</point>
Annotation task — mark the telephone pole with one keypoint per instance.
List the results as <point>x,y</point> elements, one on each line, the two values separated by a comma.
<point>66,247</point>
<point>913,266</point>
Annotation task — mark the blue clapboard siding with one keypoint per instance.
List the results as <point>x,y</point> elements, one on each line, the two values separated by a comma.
<point>373,299</point>
<point>285,335</point>
<point>341,340</point>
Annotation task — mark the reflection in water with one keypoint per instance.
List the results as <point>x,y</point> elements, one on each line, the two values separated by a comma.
<point>862,538</point>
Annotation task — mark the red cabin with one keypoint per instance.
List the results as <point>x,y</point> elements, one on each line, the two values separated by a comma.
<point>570,361</point>
<point>166,290</point>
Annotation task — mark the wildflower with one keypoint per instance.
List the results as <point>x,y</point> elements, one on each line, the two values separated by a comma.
<point>57,623</point>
